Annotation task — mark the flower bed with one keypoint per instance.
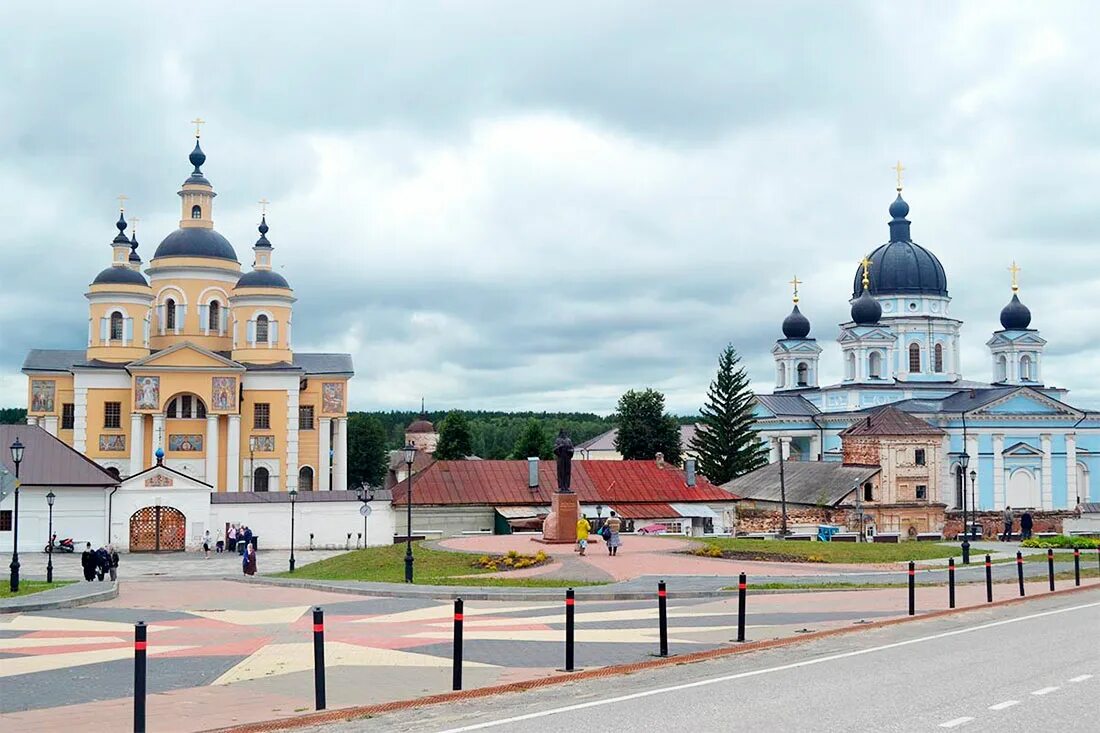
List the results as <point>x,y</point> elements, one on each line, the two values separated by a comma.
<point>1063,542</point>
<point>511,561</point>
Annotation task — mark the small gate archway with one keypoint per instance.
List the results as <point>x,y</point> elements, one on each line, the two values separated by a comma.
<point>158,529</point>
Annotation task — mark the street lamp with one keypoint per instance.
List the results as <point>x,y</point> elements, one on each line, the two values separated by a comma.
<point>293,498</point>
<point>599,519</point>
<point>16,458</point>
<point>782,488</point>
<point>252,463</point>
<point>365,494</point>
<point>973,500</point>
<point>49,557</point>
<point>960,477</point>
<point>410,456</point>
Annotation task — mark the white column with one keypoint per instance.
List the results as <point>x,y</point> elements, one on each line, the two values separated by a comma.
<point>137,442</point>
<point>975,461</point>
<point>32,420</point>
<point>1071,471</point>
<point>292,428</point>
<point>159,438</point>
<point>323,428</point>
<point>1048,480</point>
<point>773,453</point>
<point>80,419</point>
<point>998,471</point>
<point>233,454</point>
<point>340,457</point>
<point>815,448</point>
<point>212,450</point>
<point>49,422</point>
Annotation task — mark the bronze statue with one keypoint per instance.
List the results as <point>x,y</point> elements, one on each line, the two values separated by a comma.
<point>563,451</point>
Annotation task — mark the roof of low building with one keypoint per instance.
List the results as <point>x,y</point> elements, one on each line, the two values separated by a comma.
<point>48,462</point>
<point>817,483</point>
<point>606,441</point>
<point>787,404</point>
<point>889,420</point>
<point>454,483</point>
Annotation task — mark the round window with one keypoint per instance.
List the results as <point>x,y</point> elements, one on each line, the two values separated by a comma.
<point>912,306</point>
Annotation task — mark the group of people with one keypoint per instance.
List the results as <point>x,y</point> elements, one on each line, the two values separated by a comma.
<point>1026,523</point>
<point>240,540</point>
<point>99,563</point>
<point>609,531</point>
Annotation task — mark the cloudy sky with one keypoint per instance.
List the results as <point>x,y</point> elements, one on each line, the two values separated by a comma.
<point>537,206</point>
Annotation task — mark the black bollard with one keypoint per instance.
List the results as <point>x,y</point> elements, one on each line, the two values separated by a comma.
<point>662,611</point>
<point>1076,566</point>
<point>912,589</point>
<point>569,601</point>
<point>456,675</point>
<point>139,676</point>
<point>988,579</point>
<point>1050,568</point>
<point>318,658</point>
<point>951,583</point>
<point>1020,571</point>
<point>742,587</point>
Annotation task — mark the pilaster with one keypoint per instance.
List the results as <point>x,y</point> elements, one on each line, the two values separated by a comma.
<point>80,419</point>
<point>1048,479</point>
<point>1072,497</point>
<point>975,460</point>
<point>137,442</point>
<point>158,437</point>
<point>212,451</point>
<point>233,454</point>
<point>340,455</point>
<point>49,423</point>
<point>998,470</point>
<point>292,428</point>
<point>324,438</point>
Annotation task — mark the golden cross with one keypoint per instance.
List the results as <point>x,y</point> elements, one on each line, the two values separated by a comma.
<point>198,122</point>
<point>133,224</point>
<point>122,201</point>
<point>263,206</point>
<point>1015,270</point>
<point>796,282</point>
<point>866,262</point>
<point>898,169</point>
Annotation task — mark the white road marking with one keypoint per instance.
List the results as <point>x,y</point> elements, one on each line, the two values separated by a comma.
<point>1044,691</point>
<point>757,672</point>
<point>1005,704</point>
<point>1080,678</point>
<point>956,722</point>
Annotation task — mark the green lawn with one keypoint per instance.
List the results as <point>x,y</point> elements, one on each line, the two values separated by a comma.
<point>27,587</point>
<point>834,552</point>
<point>431,567</point>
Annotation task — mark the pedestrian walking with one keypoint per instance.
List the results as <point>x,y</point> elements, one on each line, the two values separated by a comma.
<point>247,537</point>
<point>583,527</point>
<point>88,562</point>
<point>612,527</point>
<point>112,553</point>
<point>1008,516</point>
<point>207,540</point>
<point>232,537</point>
<point>249,561</point>
<point>219,546</point>
<point>102,563</point>
<point>1026,522</point>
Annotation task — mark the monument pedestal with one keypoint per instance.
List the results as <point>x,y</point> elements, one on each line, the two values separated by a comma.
<point>560,527</point>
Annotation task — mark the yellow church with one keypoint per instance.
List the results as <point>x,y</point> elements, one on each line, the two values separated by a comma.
<point>190,364</point>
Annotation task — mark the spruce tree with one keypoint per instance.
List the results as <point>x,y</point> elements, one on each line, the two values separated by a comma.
<point>725,443</point>
<point>367,455</point>
<point>645,429</point>
<point>455,439</point>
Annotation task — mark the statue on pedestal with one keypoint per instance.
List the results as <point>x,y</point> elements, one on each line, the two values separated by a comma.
<point>563,452</point>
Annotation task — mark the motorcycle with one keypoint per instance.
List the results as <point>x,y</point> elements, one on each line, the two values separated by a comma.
<point>65,545</point>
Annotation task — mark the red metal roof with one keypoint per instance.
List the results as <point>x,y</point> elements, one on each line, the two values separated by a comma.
<point>890,421</point>
<point>605,482</point>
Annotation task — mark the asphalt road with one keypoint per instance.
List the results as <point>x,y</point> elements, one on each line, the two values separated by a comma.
<point>1028,666</point>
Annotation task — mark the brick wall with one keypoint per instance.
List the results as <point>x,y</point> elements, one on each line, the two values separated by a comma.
<point>861,451</point>
<point>992,522</point>
<point>761,520</point>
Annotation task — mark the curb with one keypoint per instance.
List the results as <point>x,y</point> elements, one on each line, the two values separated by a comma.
<point>41,601</point>
<point>365,711</point>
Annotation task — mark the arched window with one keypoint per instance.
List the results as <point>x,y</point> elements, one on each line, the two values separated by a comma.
<point>186,407</point>
<point>170,313</point>
<point>938,359</point>
<point>914,357</point>
<point>850,365</point>
<point>305,479</point>
<point>1025,368</point>
<point>803,374</point>
<point>116,326</point>
<point>214,320</point>
<point>868,492</point>
<point>874,365</point>
<point>261,330</point>
<point>780,375</point>
<point>1002,369</point>
<point>196,212</point>
<point>260,479</point>
<point>114,472</point>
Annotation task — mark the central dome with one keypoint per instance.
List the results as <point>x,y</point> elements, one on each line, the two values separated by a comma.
<point>901,266</point>
<point>196,242</point>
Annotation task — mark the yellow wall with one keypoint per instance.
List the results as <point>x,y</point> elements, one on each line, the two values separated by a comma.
<point>195,293</point>
<point>96,400</point>
<point>277,400</point>
<point>279,351</point>
<point>174,383</point>
<point>114,351</point>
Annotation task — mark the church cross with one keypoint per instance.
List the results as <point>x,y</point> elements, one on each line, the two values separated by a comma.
<point>263,206</point>
<point>898,169</point>
<point>1015,270</point>
<point>866,262</point>
<point>133,224</point>
<point>198,122</point>
<point>122,198</point>
<point>796,282</point>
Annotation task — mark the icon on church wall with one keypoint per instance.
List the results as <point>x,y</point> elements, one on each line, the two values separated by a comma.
<point>112,443</point>
<point>264,443</point>
<point>224,393</point>
<point>42,395</point>
<point>185,443</point>
<point>158,480</point>
<point>147,393</point>
<point>332,397</point>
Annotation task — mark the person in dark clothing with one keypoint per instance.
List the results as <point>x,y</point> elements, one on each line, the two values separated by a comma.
<point>1026,522</point>
<point>247,536</point>
<point>102,563</point>
<point>88,562</point>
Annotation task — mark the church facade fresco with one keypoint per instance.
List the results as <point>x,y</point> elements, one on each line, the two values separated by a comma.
<point>1026,444</point>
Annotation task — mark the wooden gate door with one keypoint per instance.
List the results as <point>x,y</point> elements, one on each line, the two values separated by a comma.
<point>157,529</point>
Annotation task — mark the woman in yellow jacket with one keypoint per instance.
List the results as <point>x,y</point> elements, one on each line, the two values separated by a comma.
<point>583,528</point>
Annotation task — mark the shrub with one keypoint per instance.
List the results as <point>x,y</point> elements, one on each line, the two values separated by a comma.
<point>511,561</point>
<point>708,551</point>
<point>1062,541</point>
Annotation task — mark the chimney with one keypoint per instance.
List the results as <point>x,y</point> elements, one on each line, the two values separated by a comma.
<point>533,473</point>
<point>689,472</point>
<point>659,459</point>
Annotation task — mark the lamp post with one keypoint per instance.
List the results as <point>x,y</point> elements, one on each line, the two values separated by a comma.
<point>973,500</point>
<point>16,458</point>
<point>410,456</point>
<point>49,556</point>
<point>964,461</point>
<point>782,487</point>
<point>599,518</point>
<point>365,494</point>
<point>293,498</point>
<point>252,463</point>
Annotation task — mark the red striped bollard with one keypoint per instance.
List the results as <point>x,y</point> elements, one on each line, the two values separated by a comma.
<point>318,658</point>
<point>1050,568</point>
<point>742,588</point>
<point>139,676</point>
<point>951,583</point>
<point>456,675</point>
<point>1020,571</point>
<point>912,589</point>
<point>570,600</point>
<point>662,612</point>
<point>1076,566</point>
<point>988,579</point>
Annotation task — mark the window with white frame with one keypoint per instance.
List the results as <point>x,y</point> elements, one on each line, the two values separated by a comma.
<point>803,374</point>
<point>914,357</point>
<point>214,316</point>
<point>850,365</point>
<point>874,365</point>
<point>262,328</point>
<point>170,314</point>
<point>305,479</point>
<point>186,407</point>
<point>1025,368</point>
<point>938,358</point>
<point>117,326</point>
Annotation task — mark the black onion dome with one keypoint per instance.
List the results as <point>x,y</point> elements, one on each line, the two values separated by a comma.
<point>1015,316</point>
<point>866,311</point>
<point>263,279</point>
<point>120,238</point>
<point>901,266</point>
<point>134,256</point>
<point>196,242</point>
<point>197,158</point>
<point>796,325</point>
<point>119,276</point>
<point>263,229</point>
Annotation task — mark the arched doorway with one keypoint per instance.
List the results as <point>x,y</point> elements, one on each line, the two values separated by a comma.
<point>1023,490</point>
<point>157,529</point>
